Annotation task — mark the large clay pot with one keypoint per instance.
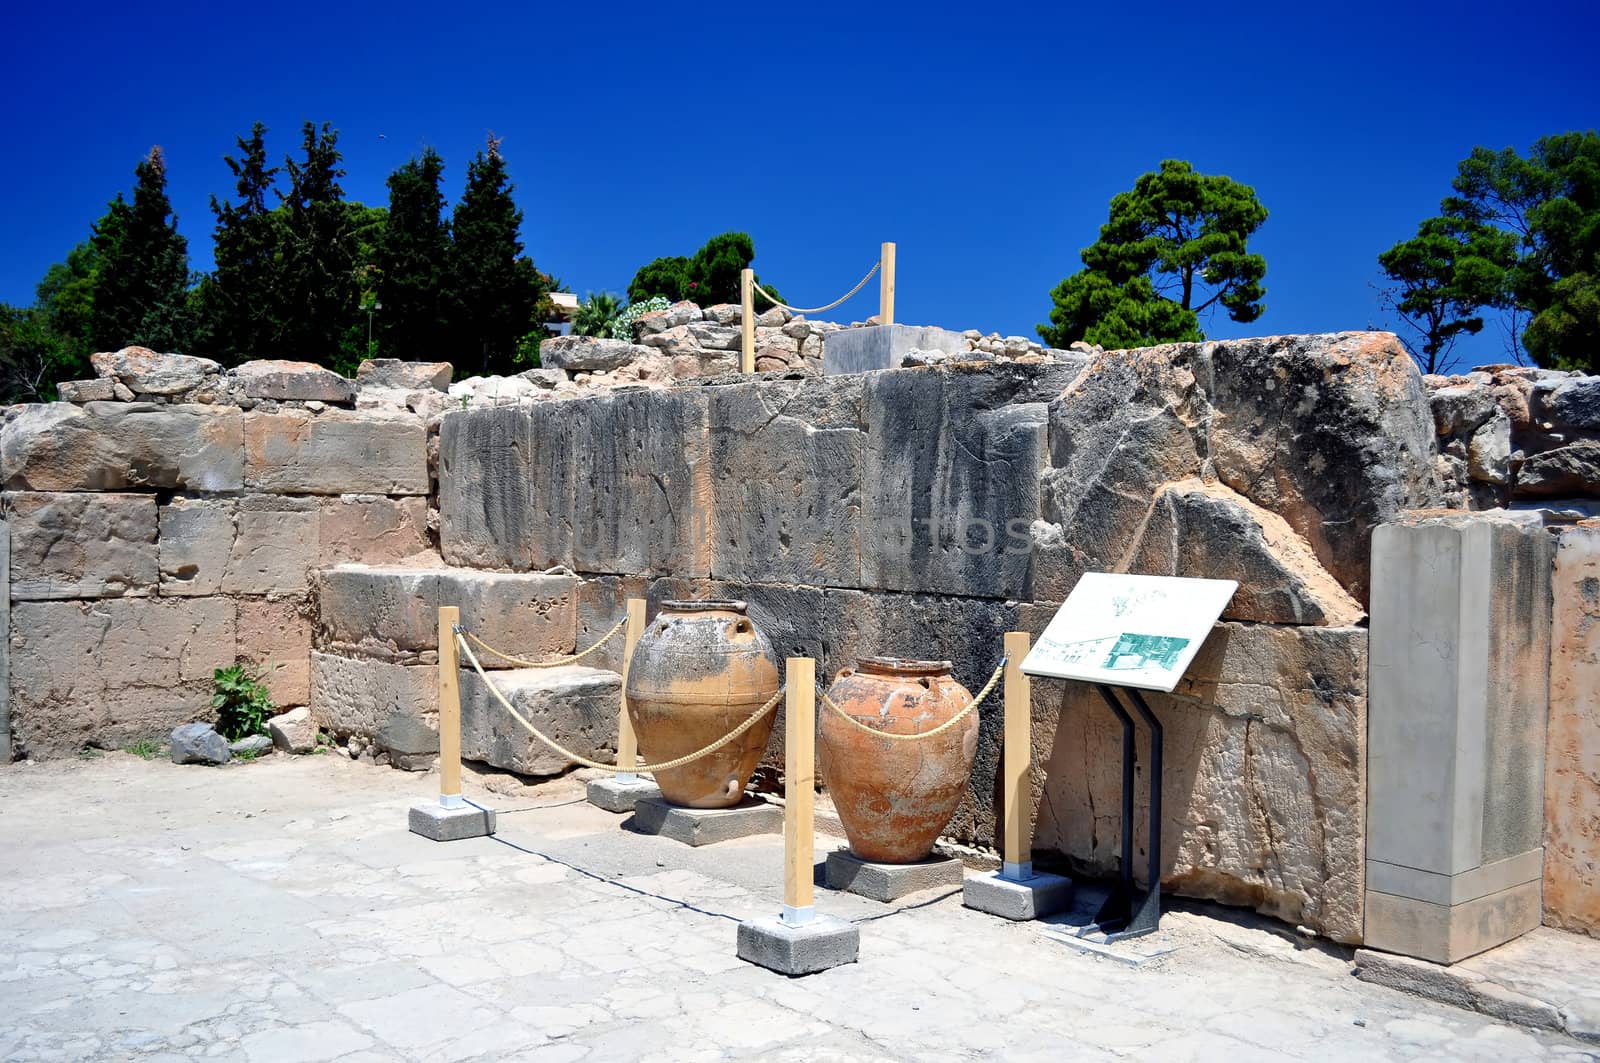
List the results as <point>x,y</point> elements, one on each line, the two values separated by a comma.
<point>700,669</point>
<point>895,797</point>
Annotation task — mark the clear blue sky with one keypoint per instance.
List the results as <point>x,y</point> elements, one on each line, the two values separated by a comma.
<point>986,140</point>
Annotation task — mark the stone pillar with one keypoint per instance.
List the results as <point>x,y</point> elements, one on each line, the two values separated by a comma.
<point>1457,704</point>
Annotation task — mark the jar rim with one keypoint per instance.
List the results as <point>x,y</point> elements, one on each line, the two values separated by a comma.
<point>902,666</point>
<point>703,605</point>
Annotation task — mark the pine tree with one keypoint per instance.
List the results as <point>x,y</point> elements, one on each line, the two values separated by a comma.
<point>141,286</point>
<point>236,304</point>
<point>498,292</point>
<point>414,263</point>
<point>315,301</point>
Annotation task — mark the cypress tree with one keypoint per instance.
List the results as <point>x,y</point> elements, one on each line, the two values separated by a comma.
<point>498,292</point>
<point>237,302</point>
<point>414,263</point>
<point>141,285</point>
<point>316,294</point>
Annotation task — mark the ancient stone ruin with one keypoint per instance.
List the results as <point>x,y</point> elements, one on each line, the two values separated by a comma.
<point>1418,560</point>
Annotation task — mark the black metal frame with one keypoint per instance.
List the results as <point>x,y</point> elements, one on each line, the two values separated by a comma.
<point>1121,917</point>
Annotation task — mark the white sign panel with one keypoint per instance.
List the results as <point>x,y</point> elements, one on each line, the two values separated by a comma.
<point>1129,631</point>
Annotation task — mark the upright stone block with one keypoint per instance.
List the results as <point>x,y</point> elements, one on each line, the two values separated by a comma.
<point>1460,651</point>
<point>861,350</point>
<point>486,502</point>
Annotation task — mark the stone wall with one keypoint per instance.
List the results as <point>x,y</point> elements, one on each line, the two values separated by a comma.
<point>1572,753</point>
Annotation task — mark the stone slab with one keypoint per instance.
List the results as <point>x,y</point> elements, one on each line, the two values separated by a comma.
<point>115,446</point>
<point>336,452</point>
<point>431,820</point>
<point>797,950</point>
<point>862,350</point>
<point>1448,933</point>
<point>705,826</point>
<point>889,882</point>
<point>1018,899</point>
<point>615,794</point>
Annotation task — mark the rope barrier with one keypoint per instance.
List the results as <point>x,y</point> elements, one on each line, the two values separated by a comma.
<point>951,722</point>
<point>585,761</point>
<point>559,661</point>
<point>818,309</point>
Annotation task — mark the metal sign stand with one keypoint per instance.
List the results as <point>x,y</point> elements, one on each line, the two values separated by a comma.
<point>1123,916</point>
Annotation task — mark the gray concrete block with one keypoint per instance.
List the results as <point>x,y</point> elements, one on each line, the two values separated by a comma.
<point>890,882</point>
<point>795,950</point>
<point>705,826</point>
<point>431,820</point>
<point>1449,933</point>
<point>1031,898</point>
<point>861,350</point>
<point>615,794</point>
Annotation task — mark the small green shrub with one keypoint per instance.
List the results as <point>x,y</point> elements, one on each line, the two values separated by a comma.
<point>241,701</point>
<point>145,748</point>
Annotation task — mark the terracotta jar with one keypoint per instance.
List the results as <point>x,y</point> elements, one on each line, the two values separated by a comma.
<point>895,797</point>
<point>700,669</point>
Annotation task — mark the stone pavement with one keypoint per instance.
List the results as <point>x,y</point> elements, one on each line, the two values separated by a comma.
<point>280,910</point>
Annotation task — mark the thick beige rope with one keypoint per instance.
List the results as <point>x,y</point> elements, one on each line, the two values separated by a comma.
<point>818,309</point>
<point>557,662</point>
<point>585,761</point>
<point>951,722</point>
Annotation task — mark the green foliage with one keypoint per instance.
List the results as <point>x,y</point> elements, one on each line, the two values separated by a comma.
<point>146,749</point>
<point>413,257</point>
<point>597,315</point>
<point>1442,277</point>
<point>241,702</point>
<point>140,291</point>
<point>622,327</point>
<point>709,278</point>
<point>32,356</point>
<point>664,277</point>
<point>1175,246</point>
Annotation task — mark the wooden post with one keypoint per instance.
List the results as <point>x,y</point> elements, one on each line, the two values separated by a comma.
<point>449,710</point>
<point>1017,756</point>
<point>747,320</point>
<point>799,789</point>
<point>627,742</point>
<point>886,286</point>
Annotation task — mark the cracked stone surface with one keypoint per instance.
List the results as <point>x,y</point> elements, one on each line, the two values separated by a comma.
<point>281,910</point>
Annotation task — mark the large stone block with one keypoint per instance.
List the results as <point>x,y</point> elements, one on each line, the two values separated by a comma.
<point>80,545</point>
<point>372,529</point>
<point>111,672</point>
<point>116,446</point>
<point>351,696</point>
<point>1263,794</point>
<point>405,376</point>
<point>145,372</point>
<point>1459,700</point>
<point>505,486</point>
<point>275,638</point>
<point>575,706</point>
<point>860,350</point>
<point>391,613</point>
<point>786,461</point>
<point>274,378</point>
<point>258,545</point>
<point>336,452</point>
<point>1572,751</point>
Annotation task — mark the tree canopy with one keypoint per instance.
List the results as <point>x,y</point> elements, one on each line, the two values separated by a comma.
<point>1174,247</point>
<point>710,277</point>
<point>413,263</point>
<point>142,281</point>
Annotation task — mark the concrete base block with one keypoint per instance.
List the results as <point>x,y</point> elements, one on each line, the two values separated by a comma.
<point>1030,898</point>
<point>621,795</point>
<point>705,826</point>
<point>890,882</point>
<point>860,350</point>
<point>441,824</point>
<point>1446,933</point>
<point>795,950</point>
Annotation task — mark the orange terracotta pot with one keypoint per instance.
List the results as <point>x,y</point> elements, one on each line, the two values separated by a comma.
<point>700,669</point>
<point>895,797</point>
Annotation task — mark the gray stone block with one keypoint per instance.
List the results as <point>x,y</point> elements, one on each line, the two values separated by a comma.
<point>705,826</point>
<point>1031,898</point>
<point>431,820</point>
<point>336,452</point>
<point>486,511</point>
<point>795,950</point>
<point>861,350</point>
<point>890,882</point>
<point>615,794</point>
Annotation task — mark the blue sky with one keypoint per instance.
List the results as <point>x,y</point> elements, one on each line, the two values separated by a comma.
<point>986,141</point>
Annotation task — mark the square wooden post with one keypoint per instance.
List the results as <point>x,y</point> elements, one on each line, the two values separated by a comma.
<point>747,321</point>
<point>449,710</point>
<point>886,286</point>
<point>799,789</point>
<point>627,742</point>
<point>1017,756</point>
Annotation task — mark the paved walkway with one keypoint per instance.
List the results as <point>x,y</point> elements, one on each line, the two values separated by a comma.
<point>280,911</point>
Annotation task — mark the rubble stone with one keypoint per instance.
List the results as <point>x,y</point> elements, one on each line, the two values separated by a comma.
<point>293,731</point>
<point>97,390</point>
<point>293,381</point>
<point>198,743</point>
<point>1565,471</point>
<point>587,354</point>
<point>408,376</point>
<point>144,372</point>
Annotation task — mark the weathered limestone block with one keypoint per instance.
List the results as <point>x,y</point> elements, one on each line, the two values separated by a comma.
<point>588,354</point>
<point>144,372</point>
<point>275,638</point>
<point>576,706</point>
<point>336,452</point>
<point>372,529</point>
<point>951,476</point>
<point>1264,780</point>
<point>97,390</point>
<point>391,612</point>
<point>275,378</point>
<point>406,376</point>
<point>111,672</point>
<point>1459,409</point>
<point>115,446</point>
<point>1204,529</point>
<point>786,461</point>
<point>293,731</point>
<point>1575,404</point>
<point>1333,433</point>
<point>506,487</point>
<point>1572,751</point>
<point>351,696</point>
<point>79,545</point>
<point>1567,471</point>
<point>263,544</point>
